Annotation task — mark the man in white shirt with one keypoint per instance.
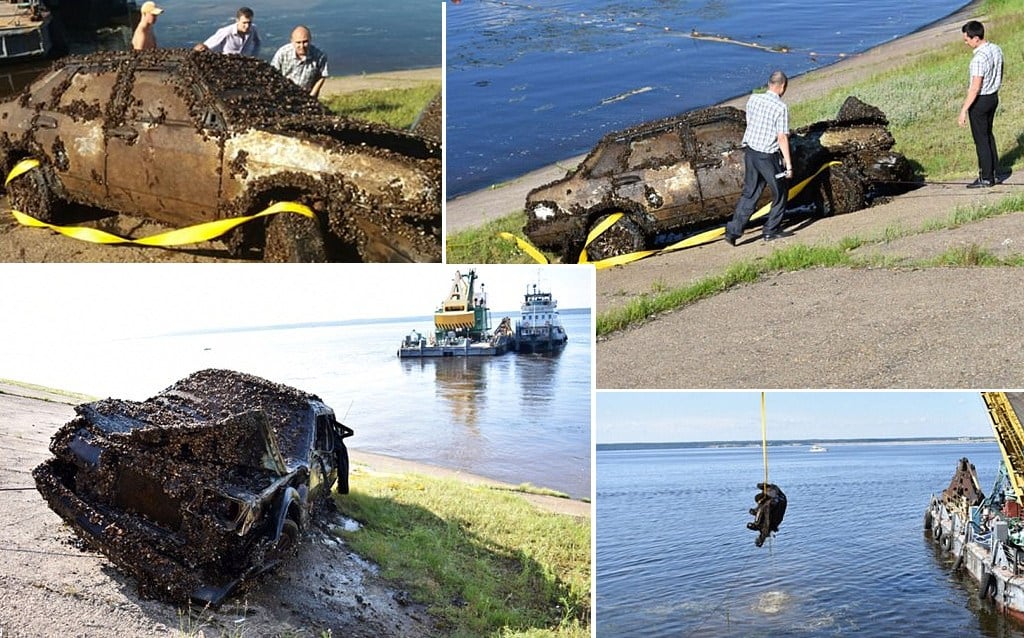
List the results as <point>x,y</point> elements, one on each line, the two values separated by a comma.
<point>240,38</point>
<point>982,99</point>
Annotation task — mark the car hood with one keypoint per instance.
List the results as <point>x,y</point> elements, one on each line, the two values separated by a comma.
<point>360,133</point>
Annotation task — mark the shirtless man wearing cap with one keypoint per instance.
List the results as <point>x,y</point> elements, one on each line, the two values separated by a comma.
<point>144,37</point>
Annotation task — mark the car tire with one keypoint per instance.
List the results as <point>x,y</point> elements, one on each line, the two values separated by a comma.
<point>35,194</point>
<point>622,238</point>
<point>294,238</point>
<point>844,191</point>
<point>286,543</point>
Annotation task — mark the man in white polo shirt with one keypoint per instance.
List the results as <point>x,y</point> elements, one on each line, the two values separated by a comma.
<point>240,38</point>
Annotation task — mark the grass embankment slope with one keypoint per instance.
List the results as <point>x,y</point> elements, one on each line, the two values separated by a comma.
<point>395,99</point>
<point>921,98</point>
<point>484,560</point>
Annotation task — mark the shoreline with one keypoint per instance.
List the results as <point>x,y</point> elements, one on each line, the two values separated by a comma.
<point>474,209</point>
<point>342,84</point>
<point>58,406</point>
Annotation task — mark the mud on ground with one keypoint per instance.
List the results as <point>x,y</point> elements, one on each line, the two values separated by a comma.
<point>52,586</point>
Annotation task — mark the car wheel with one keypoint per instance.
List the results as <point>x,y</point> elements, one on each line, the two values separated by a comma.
<point>35,194</point>
<point>294,238</point>
<point>286,543</point>
<point>845,191</point>
<point>623,237</point>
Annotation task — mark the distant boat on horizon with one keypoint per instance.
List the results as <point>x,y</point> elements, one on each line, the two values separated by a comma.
<point>818,448</point>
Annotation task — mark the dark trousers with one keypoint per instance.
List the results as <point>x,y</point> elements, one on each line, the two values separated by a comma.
<point>759,170</point>
<point>981,114</point>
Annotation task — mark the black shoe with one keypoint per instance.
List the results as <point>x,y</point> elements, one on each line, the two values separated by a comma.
<point>730,239</point>
<point>981,183</point>
<point>1001,177</point>
<point>779,234</point>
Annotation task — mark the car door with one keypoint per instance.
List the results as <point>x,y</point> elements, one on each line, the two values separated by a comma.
<point>161,163</point>
<point>68,128</point>
<point>321,462</point>
<point>718,161</point>
<point>659,177</point>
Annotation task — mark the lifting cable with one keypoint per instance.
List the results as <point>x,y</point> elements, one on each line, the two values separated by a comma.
<point>764,444</point>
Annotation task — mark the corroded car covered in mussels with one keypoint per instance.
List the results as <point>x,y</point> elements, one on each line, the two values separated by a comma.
<point>184,137</point>
<point>200,488</point>
<point>675,175</point>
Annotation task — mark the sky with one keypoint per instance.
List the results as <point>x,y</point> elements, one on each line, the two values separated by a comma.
<point>633,417</point>
<point>50,302</point>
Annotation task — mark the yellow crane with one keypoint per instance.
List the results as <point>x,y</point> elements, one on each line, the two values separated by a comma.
<point>1005,408</point>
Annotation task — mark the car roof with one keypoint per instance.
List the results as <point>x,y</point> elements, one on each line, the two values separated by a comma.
<point>244,88</point>
<point>208,398</point>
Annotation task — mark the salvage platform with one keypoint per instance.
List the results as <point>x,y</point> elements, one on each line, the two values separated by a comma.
<point>461,326</point>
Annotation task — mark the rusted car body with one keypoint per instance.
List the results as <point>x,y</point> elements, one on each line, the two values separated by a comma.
<point>201,487</point>
<point>184,137</point>
<point>683,172</point>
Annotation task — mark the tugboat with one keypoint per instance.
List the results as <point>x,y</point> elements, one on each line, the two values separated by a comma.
<point>539,328</point>
<point>462,326</point>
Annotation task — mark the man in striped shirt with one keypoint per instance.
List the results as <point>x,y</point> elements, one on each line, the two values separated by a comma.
<point>982,99</point>
<point>766,160</point>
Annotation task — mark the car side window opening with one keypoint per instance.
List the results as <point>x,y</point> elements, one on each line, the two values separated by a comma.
<point>87,93</point>
<point>608,160</point>
<point>324,432</point>
<point>663,149</point>
<point>714,139</point>
<point>156,100</point>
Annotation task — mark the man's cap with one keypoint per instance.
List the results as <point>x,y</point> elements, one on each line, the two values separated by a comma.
<point>150,7</point>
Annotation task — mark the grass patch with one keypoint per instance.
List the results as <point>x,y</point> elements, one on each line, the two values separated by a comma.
<point>483,246</point>
<point>397,108</point>
<point>484,561</point>
<point>70,397</point>
<point>802,257</point>
<point>925,127</point>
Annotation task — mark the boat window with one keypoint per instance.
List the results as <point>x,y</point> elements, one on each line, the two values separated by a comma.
<point>156,100</point>
<point>87,93</point>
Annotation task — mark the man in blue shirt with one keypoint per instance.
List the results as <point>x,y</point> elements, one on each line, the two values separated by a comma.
<point>301,62</point>
<point>240,38</point>
<point>766,160</point>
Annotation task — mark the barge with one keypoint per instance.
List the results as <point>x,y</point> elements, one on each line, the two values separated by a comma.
<point>985,534</point>
<point>539,328</point>
<point>24,30</point>
<point>462,326</point>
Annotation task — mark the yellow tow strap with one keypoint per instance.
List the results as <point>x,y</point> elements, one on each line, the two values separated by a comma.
<point>694,240</point>
<point>190,235</point>
<point>525,246</point>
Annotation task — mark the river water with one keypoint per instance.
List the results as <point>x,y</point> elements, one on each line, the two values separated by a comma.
<point>674,557</point>
<point>530,84</point>
<point>514,418</point>
<point>357,37</point>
